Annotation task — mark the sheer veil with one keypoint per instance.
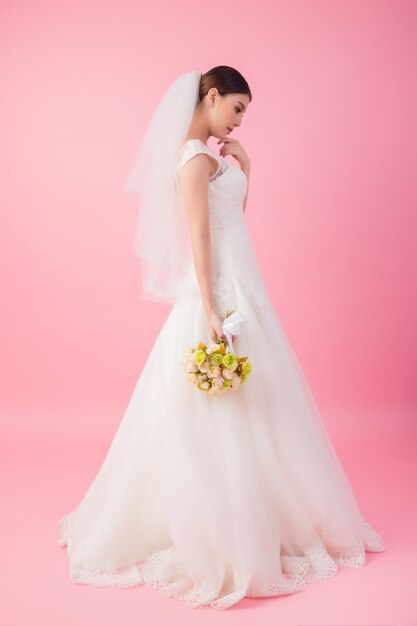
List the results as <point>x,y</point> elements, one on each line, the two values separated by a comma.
<point>161,239</point>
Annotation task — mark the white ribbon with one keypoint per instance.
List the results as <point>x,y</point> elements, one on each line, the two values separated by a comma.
<point>231,326</point>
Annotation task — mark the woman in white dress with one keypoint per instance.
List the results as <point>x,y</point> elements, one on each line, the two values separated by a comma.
<point>212,497</point>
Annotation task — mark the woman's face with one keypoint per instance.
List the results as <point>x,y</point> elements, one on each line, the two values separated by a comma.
<point>225,112</point>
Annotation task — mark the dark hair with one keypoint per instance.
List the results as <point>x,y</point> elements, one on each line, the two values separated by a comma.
<point>226,80</point>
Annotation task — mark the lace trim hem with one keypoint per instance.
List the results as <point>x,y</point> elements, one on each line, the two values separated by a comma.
<point>163,570</point>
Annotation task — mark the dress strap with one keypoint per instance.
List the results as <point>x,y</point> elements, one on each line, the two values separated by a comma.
<point>190,149</point>
<point>196,146</point>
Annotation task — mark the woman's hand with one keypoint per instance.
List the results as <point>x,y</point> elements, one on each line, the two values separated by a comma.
<point>214,324</point>
<point>235,148</point>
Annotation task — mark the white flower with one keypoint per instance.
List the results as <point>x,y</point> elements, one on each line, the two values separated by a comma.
<point>235,382</point>
<point>204,366</point>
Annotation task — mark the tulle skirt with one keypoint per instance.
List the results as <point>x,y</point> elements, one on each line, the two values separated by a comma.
<point>211,498</point>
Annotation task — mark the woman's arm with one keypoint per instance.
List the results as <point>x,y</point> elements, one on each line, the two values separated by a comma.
<point>193,181</point>
<point>246,171</point>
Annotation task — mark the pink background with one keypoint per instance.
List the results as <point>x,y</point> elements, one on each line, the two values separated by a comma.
<point>331,134</point>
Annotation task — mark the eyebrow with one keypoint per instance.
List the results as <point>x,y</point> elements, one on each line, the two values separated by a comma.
<point>243,106</point>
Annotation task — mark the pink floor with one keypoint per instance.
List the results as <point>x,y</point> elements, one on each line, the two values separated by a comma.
<point>48,467</point>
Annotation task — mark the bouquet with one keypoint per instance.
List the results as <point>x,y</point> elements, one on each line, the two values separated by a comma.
<point>215,368</point>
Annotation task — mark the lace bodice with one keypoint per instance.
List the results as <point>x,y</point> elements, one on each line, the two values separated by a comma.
<point>233,257</point>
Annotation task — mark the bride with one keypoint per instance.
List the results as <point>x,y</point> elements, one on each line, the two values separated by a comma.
<point>212,497</point>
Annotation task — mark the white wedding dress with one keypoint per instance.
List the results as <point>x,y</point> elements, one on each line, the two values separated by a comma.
<point>211,498</point>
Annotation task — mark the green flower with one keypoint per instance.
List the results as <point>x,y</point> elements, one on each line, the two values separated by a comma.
<point>227,382</point>
<point>229,360</point>
<point>200,356</point>
<point>216,359</point>
<point>246,368</point>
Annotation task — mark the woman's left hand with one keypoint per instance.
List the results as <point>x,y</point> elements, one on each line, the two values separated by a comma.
<point>235,148</point>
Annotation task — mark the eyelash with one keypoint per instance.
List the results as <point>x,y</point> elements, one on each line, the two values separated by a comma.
<point>238,110</point>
